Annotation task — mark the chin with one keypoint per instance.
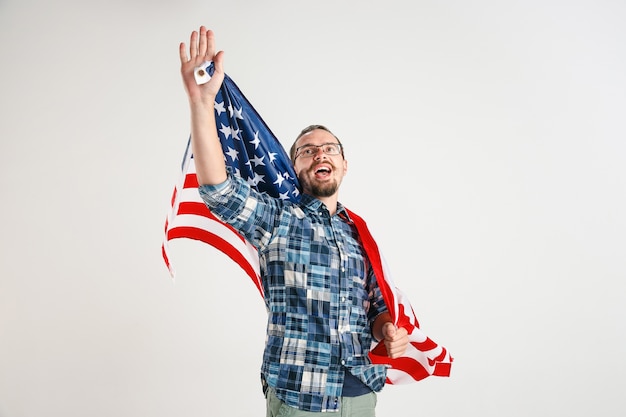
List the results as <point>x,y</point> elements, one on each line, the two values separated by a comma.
<point>327,190</point>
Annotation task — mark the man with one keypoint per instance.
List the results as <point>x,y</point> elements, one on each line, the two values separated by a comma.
<point>323,301</point>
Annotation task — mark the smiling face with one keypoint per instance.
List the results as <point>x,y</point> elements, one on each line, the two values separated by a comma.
<point>321,174</point>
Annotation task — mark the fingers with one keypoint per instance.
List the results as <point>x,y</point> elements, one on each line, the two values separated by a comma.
<point>396,351</point>
<point>193,45</point>
<point>182,52</point>
<point>201,44</point>
<point>218,60</point>
<point>209,51</point>
<point>396,340</point>
<point>389,330</point>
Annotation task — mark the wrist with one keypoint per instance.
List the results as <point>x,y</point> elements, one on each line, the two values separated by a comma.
<point>201,104</point>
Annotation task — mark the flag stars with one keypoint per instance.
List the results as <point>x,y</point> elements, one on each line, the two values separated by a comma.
<point>236,113</point>
<point>226,131</point>
<point>219,107</point>
<point>254,181</point>
<point>234,155</point>
<point>279,180</point>
<point>256,140</point>
<point>258,161</point>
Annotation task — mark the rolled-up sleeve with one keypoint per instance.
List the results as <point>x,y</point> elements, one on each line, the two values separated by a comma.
<point>227,201</point>
<point>234,202</point>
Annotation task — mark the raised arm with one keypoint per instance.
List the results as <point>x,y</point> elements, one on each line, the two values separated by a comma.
<point>207,151</point>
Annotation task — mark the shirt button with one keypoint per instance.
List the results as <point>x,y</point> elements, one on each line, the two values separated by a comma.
<point>343,361</point>
<point>343,299</point>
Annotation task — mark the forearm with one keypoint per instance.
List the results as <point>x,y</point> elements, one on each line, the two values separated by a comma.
<point>205,145</point>
<point>207,150</point>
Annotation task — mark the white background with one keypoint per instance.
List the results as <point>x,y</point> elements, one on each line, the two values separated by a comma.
<point>486,149</point>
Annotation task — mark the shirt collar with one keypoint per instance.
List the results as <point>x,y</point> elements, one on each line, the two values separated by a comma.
<point>314,204</point>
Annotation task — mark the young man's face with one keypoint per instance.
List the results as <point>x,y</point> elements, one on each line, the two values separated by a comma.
<point>319,174</point>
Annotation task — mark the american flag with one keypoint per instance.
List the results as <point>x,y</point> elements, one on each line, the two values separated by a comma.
<point>255,154</point>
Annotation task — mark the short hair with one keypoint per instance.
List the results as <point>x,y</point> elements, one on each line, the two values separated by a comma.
<point>310,128</point>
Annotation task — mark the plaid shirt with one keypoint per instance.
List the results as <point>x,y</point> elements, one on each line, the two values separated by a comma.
<point>320,292</point>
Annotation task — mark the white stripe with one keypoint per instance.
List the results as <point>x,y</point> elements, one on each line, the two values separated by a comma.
<point>219,229</point>
<point>189,195</point>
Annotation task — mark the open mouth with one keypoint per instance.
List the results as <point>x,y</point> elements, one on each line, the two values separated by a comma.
<point>322,172</point>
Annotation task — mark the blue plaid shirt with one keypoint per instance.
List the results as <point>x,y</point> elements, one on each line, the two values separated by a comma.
<point>320,292</point>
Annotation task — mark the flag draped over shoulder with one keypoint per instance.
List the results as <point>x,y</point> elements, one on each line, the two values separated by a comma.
<point>255,154</point>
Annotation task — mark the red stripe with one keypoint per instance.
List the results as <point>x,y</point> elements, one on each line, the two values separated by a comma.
<point>443,368</point>
<point>173,196</point>
<point>194,207</point>
<point>191,181</point>
<point>406,364</point>
<point>200,209</point>
<point>216,241</point>
<point>404,320</point>
<point>426,345</point>
<point>165,257</point>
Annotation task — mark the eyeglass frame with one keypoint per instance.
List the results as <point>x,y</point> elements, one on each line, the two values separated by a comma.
<point>310,146</point>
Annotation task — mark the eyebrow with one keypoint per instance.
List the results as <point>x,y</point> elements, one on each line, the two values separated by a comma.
<point>321,144</point>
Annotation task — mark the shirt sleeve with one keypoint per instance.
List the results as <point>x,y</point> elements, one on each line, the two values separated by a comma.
<point>251,213</point>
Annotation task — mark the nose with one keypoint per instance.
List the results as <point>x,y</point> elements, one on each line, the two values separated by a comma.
<point>319,152</point>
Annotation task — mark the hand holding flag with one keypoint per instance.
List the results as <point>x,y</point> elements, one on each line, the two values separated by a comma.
<point>396,339</point>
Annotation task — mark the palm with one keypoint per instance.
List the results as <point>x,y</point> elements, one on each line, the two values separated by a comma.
<point>201,49</point>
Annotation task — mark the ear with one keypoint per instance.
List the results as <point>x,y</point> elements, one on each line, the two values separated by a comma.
<point>345,167</point>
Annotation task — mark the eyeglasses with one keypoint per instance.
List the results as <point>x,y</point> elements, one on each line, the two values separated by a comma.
<point>307,151</point>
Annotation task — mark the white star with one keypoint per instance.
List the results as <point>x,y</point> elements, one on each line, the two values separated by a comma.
<point>256,140</point>
<point>239,113</point>
<point>219,107</point>
<point>236,134</point>
<point>233,154</point>
<point>284,196</point>
<point>230,110</point>
<point>258,161</point>
<point>258,178</point>
<point>272,156</point>
<point>296,192</point>
<point>226,131</point>
<point>279,180</point>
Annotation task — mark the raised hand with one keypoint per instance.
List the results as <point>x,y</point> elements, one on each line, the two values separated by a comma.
<point>201,49</point>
